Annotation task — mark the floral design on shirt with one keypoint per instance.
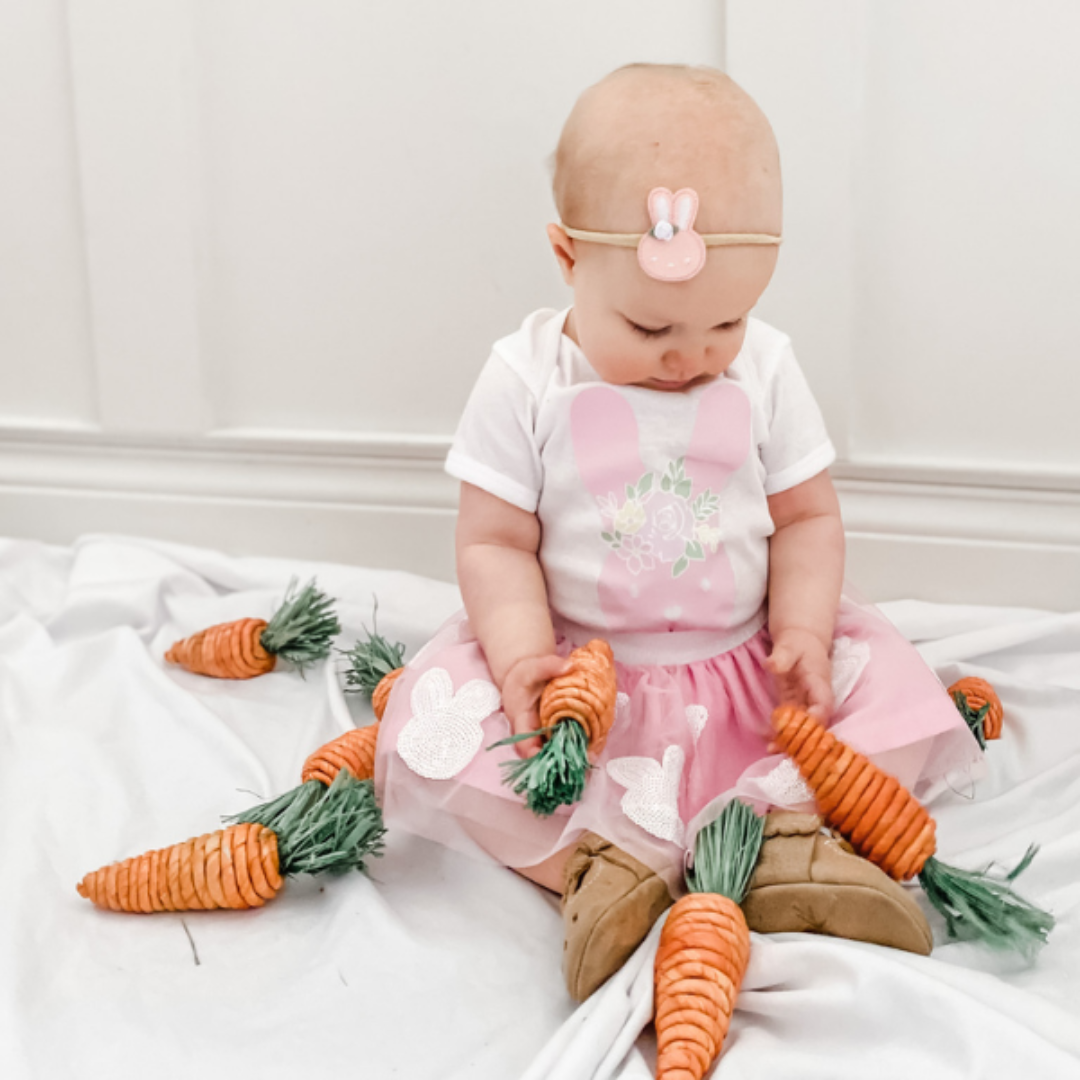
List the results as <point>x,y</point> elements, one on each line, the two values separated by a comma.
<point>664,526</point>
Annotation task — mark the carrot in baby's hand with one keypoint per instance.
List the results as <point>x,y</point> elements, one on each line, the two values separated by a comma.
<point>577,710</point>
<point>886,824</point>
<point>705,947</point>
<point>980,706</point>
<point>300,631</point>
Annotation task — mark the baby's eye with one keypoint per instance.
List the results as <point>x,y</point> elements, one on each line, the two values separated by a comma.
<point>649,332</point>
<point>734,324</point>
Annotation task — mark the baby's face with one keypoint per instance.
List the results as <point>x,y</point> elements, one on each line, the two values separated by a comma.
<point>665,336</point>
<point>640,128</point>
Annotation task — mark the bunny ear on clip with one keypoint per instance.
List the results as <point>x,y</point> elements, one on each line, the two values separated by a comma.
<point>660,205</point>
<point>686,208</point>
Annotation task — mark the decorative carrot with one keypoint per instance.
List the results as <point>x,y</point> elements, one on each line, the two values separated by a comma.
<point>355,750</point>
<point>979,706</point>
<point>330,822</point>
<point>886,824</point>
<point>300,631</point>
<point>371,661</point>
<point>352,754</point>
<point>577,710</point>
<point>705,947</point>
<point>242,866</point>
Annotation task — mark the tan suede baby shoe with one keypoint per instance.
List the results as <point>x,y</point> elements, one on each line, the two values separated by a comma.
<point>810,880</point>
<point>610,902</point>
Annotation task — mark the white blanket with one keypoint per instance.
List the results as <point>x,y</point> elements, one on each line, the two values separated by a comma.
<point>436,965</point>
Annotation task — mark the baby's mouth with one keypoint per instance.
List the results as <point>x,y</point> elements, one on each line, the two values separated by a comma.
<point>673,385</point>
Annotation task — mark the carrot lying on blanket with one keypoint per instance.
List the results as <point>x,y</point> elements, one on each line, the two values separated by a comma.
<point>886,824</point>
<point>334,828</point>
<point>300,631</point>
<point>372,659</point>
<point>330,822</point>
<point>355,750</point>
<point>235,867</point>
<point>705,947</point>
<point>979,706</point>
<point>577,710</point>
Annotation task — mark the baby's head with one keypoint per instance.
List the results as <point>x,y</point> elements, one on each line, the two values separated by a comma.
<point>648,126</point>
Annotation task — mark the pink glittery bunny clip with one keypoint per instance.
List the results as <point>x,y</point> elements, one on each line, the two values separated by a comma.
<point>671,250</point>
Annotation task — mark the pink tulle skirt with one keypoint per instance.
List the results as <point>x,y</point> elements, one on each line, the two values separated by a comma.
<point>687,738</point>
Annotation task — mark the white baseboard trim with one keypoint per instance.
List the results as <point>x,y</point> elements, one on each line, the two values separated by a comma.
<point>375,501</point>
<point>962,536</point>
<point>952,535</point>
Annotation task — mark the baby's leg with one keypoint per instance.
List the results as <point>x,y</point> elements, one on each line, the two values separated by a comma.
<point>551,873</point>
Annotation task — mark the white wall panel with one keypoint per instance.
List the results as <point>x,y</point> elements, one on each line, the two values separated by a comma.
<point>133,74</point>
<point>932,161</point>
<point>969,222</point>
<point>46,358</point>
<point>377,191</point>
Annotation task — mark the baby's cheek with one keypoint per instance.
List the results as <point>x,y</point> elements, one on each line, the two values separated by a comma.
<point>621,367</point>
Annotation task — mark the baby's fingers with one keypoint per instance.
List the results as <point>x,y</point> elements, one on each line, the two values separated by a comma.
<point>781,660</point>
<point>819,695</point>
<point>536,672</point>
<point>528,720</point>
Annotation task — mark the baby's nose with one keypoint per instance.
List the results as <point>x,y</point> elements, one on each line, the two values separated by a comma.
<point>686,361</point>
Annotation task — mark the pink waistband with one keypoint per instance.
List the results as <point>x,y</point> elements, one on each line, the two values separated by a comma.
<point>658,647</point>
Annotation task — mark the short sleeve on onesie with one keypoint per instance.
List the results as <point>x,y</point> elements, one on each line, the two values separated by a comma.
<point>797,446</point>
<point>495,447</point>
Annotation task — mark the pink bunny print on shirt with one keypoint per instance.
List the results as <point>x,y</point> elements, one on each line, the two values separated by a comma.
<point>671,250</point>
<point>666,568</point>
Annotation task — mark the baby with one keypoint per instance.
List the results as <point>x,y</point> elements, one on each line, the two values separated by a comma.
<point>649,467</point>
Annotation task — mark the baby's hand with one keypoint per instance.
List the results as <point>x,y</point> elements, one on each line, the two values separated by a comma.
<point>521,690</point>
<point>803,672</point>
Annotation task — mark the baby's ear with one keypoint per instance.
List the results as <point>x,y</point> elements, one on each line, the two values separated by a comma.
<point>686,208</point>
<point>565,254</point>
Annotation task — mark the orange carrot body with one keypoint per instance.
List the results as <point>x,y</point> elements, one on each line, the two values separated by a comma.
<point>586,693</point>
<point>355,751</point>
<point>231,650</point>
<point>702,957</point>
<point>381,694</point>
<point>235,867</point>
<point>884,822</point>
<point>978,692</point>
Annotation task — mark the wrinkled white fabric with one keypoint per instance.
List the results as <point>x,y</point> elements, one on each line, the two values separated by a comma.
<point>437,965</point>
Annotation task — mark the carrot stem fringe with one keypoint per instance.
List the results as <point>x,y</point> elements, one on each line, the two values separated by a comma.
<point>371,661</point>
<point>323,829</point>
<point>302,628</point>
<point>282,813</point>
<point>555,775</point>
<point>974,718</point>
<point>978,907</point>
<point>726,852</point>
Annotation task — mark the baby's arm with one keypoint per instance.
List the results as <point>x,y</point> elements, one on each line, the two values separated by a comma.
<point>506,601</point>
<point>806,571</point>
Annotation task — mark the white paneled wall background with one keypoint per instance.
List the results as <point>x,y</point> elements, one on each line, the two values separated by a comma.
<point>253,253</point>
